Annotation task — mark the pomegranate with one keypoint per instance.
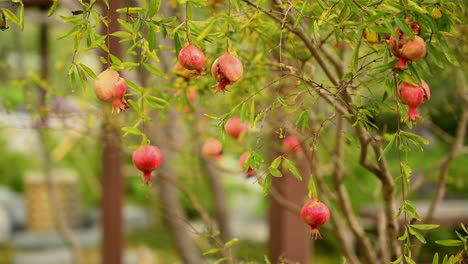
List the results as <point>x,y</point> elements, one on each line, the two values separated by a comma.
<point>243,158</point>
<point>227,69</point>
<point>192,58</point>
<point>110,87</point>
<point>147,158</point>
<point>315,214</point>
<point>212,148</point>
<point>291,144</point>
<point>234,127</point>
<point>408,49</point>
<point>413,96</point>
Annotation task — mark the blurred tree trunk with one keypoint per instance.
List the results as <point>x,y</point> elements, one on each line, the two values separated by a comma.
<point>112,178</point>
<point>289,237</point>
<point>173,211</point>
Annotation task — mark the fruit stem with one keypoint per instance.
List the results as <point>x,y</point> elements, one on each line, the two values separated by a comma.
<point>186,22</point>
<point>228,28</point>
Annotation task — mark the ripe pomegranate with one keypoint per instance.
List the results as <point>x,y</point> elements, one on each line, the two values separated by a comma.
<point>315,214</point>
<point>192,58</point>
<point>291,144</point>
<point>408,49</point>
<point>212,148</point>
<point>227,69</point>
<point>243,158</point>
<point>413,96</point>
<point>234,127</point>
<point>147,158</point>
<point>110,87</point>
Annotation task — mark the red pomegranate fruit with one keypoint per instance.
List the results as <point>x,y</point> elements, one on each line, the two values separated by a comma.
<point>243,158</point>
<point>234,127</point>
<point>147,158</point>
<point>407,49</point>
<point>110,87</point>
<point>315,213</point>
<point>227,69</point>
<point>291,144</point>
<point>192,58</point>
<point>413,96</point>
<point>212,148</point>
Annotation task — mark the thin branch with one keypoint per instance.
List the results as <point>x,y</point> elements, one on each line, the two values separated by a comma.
<point>305,38</point>
<point>343,196</point>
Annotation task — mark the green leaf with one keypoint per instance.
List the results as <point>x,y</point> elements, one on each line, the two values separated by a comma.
<point>275,172</point>
<point>435,260</point>
<point>252,111</point>
<point>354,61</point>
<point>153,70</point>
<point>74,20</point>
<point>122,34</point>
<point>177,44</point>
<point>20,12</point>
<point>425,227</point>
<point>71,32</point>
<point>450,243</point>
<point>151,39</point>
<point>398,260</point>
<point>211,251</point>
<point>243,113</point>
<point>301,13</point>
<point>417,235</point>
<point>292,168</point>
<point>311,187</point>
<point>275,164</point>
<point>88,71</point>
<point>220,260</point>
<point>266,184</point>
<point>131,130</point>
<point>52,8</point>
<point>407,78</point>
<point>154,6</point>
<point>404,236</point>
<point>389,146</point>
<point>404,27</point>
<point>231,242</point>
<point>449,53</point>
<point>206,31</point>
<point>10,16</point>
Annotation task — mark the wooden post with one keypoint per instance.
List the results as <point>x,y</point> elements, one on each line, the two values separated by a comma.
<point>112,178</point>
<point>289,237</point>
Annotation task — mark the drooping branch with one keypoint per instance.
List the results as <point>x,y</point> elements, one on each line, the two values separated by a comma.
<point>343,196</point>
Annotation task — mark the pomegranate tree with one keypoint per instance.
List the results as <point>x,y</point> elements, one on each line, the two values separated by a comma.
<point>110,87</point>
<point>227,69</point>
<point>147,158</point>
<point>315,213</point>
<point>413,96</point>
